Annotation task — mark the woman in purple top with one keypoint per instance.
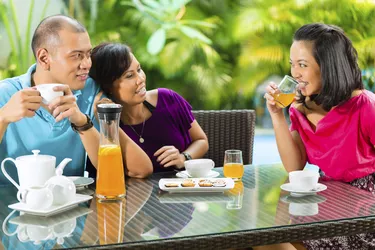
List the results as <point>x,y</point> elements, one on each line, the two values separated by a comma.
<point>159,121</point>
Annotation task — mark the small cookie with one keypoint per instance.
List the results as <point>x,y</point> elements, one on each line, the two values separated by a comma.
<point>219,183</point>
<point>203,180</point>
<point>188,183</point>
<point>205,184</point>
<point>171,184</point>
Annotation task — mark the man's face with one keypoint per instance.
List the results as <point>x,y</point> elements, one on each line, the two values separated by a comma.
<point>70,60</point>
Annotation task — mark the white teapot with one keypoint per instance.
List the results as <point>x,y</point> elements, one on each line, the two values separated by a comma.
<point>34,170</point>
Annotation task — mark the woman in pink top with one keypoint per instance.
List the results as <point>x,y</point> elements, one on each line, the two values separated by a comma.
<point>332,121</point>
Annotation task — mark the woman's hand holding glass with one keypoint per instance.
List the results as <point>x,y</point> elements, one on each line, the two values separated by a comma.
<point>271,90</point>
<point>281,96</point>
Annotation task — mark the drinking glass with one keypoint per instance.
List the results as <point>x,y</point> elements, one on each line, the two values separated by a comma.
<point>233,164</point>
<point>287,91</point>
<point>236,194</point>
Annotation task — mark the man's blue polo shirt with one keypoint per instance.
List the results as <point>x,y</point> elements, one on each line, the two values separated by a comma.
<point>42,132</point>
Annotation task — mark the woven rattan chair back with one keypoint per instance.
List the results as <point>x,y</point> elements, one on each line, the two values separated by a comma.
<point>227,129</point>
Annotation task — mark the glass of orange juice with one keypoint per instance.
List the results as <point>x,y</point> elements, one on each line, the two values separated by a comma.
<point>287,91</point>
<point>233,164</point>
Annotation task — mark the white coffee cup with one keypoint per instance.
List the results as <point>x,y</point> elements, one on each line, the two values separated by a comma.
<point>36,197</point>
<point>47,92</point>
<point>304,180</point>
<point>199,167</point>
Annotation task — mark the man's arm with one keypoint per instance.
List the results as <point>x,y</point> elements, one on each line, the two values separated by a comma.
<point>22,104</point>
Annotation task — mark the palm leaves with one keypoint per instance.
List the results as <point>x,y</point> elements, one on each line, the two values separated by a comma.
<point>266,29</point>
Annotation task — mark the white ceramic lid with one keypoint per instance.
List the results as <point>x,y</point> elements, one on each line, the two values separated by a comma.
<point>36,157</point>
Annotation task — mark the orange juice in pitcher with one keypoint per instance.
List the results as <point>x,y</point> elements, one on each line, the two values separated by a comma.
<point>110,184</point>
<point>110,180</point>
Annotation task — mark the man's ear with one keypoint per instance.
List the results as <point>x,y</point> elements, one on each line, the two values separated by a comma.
<point>43,58</point>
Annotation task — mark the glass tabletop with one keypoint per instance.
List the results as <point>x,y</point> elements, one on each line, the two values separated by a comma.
<point>149,214</point>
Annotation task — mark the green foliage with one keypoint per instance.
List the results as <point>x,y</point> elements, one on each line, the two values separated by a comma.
<point>21,55</point>
<point>213,52</point>
<point>368,77</point>
<point>266,28</point>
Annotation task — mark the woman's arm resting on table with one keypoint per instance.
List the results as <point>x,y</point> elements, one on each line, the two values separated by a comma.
<point>170,156</point>
<point>199,145</point>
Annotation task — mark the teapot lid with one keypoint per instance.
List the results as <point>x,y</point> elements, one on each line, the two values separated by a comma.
<point>36,157</point>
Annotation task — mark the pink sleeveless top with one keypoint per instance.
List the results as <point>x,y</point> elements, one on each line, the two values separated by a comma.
<point>342,144</point>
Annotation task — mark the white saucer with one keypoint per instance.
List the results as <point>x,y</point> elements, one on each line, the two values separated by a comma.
<point>81,181</point>
<point>184,174</point>
<point>298,193</point>
<point>54,209</point>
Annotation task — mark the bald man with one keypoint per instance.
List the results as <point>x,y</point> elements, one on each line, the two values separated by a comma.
<point>64,127</point>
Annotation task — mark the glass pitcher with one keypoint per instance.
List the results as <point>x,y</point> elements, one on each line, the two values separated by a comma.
<point>110,179</point>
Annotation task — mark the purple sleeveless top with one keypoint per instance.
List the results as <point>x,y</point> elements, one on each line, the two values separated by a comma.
<point>169,125</point>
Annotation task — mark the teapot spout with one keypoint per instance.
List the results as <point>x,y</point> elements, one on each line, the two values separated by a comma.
<point>61,166</point>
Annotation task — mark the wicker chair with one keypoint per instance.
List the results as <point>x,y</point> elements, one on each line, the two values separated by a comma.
<point>228,129</point>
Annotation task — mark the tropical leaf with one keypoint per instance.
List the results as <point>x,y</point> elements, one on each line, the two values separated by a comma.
<point>175,57</point>
<point>156,42</point>
<point>193,33</point>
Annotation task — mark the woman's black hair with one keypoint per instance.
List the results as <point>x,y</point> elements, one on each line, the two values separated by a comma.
<point>337,59</point>
<point>109,62</point>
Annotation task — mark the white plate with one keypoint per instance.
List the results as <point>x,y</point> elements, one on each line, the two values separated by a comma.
<point>297,193</point>
<point>54,209</point>
<point>229,185</point>
<point>184,174</point>
<point>81,181</point>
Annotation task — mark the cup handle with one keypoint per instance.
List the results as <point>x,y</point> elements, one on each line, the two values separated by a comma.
<point>21,195</point>
<point>6,173</point>
<point>5,230</point>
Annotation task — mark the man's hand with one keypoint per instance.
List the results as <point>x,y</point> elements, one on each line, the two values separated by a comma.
<point>169,156</point>
<point>66,107</point>
<point>22,104</point>
<point>100,101</point>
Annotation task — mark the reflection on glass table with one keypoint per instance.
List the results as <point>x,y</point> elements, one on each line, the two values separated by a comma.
<point>38,230</point>
<point>303,206</point>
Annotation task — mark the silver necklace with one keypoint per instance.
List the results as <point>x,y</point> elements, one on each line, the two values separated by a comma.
<point>141,140</point>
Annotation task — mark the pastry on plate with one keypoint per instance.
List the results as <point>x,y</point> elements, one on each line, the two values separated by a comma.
<point>205,183</point>
<point>171,184</point>
<point>188,183</point>
<point>219,183</point>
